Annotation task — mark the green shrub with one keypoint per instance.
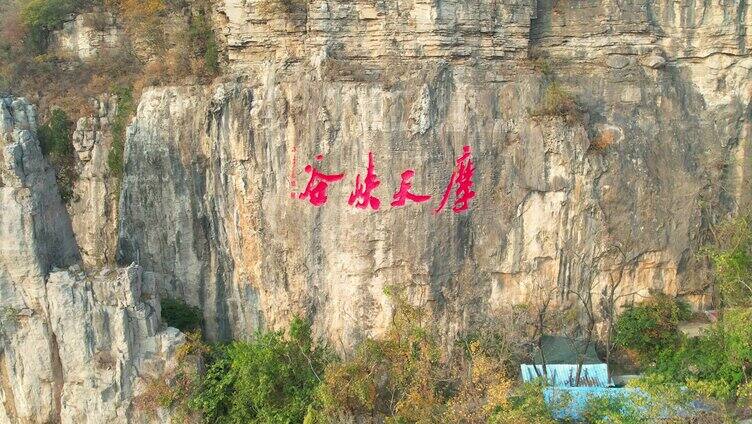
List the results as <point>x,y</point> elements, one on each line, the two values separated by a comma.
<point>525,405</point>
<point>173,389</point>
<point>404,377</point>
<point>558,101</point>
<point>542,65</point>
<point>56,141</point>
<point>651,327</point>
<point>290,7</point>
<point>41,17</point>
<point>211,55</point>
<point>270,379</point>
<point>55,135</point>
<point>716,363</point>
<point>125,109</point>
<point>8,318</point>
<point>202,38</point>
<point>653,399</point>
<point>732,258</point>
<point>659,397</point>
<point>399,375</point>
<point>178,314</point>
<point>612,410</point>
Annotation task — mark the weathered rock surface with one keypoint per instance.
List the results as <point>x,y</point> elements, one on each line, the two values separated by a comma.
<point>85,354</point>
<point>36,229</point>
<point>369,32</point>
<point>73,349</point>
<point>660,151</point>
<point>87,35</point>
<point>35,235</point>
<point>93,208</point>
<point>110,342</point>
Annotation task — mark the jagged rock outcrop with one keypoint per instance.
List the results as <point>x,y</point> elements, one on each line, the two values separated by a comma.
<point>35,235</point>
<point>88,34</point>
<point>93,207</point>
<point>109,341</point>
<point>99,341</point>
<point>73,349</point>
<point>659,150</point>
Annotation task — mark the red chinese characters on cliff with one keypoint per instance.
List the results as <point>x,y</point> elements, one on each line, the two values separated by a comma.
<point>362,197</point>
<point>404,193</point>
<point>462,178</point>
<point>315,190</point>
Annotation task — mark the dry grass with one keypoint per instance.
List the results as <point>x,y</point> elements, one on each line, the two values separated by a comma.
<point>558,101</point>
<point>273,7</point>
<point>156,49</point>
<point>602,140</point>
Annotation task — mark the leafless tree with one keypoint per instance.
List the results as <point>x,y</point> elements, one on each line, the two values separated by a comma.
<point>580,283</point>
<point>580,332</point>
<point>611,296</point>
<point>540,309</point>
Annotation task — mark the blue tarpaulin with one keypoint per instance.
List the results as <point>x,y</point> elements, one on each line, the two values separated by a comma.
<point>570,402</point>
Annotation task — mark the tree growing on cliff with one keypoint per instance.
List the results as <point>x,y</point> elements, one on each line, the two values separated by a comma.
<point>651,327</point>
<point>405,376</point>
<point>43,16</point>
<point>612,294</point>
<point>540,307</point>
<point>55,139</point>
<point>731,255</point>
<point>578,320</point>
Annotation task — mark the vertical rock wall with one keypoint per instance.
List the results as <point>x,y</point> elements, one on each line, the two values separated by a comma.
<point>73,348</point>
<point>626,183</point>
<point>93,207</point>
<point>36,235</point>
<point>658,153</point>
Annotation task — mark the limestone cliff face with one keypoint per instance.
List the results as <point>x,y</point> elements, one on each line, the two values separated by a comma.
<point>626,182</point>
<point>36,235</point>
<point>659,151</point>
<point>73,348</point>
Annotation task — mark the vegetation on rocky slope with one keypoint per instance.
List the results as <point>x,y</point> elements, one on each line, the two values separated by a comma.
<point>651,326</point>
<point>161,42</point>
<point>125,110</point>
<point>732,258</point>
<point>404,376</point>
<point>178,314</point>
<point>55,141</point>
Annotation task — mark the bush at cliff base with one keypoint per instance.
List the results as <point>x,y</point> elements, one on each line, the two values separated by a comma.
<point>270,379</point>
<point>178,314</point>
<point>718,362</point>
<point>651,327</point>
